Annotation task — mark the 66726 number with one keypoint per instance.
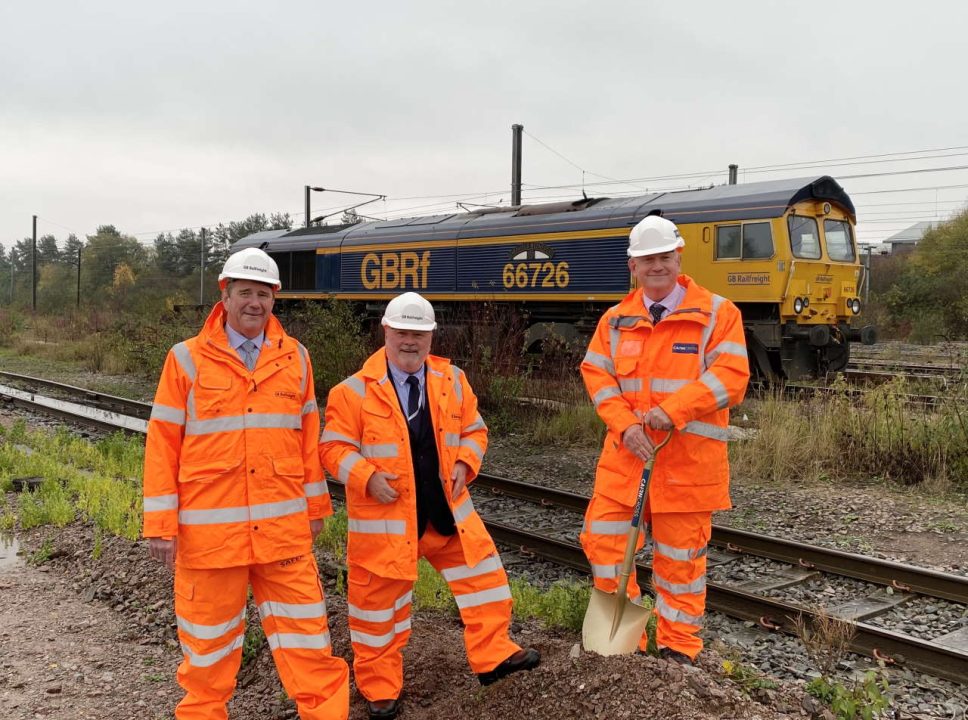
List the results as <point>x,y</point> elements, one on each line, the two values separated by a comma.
<point>535,274</point>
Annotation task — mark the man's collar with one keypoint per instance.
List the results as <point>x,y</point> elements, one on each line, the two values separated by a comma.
<point>236,338</point>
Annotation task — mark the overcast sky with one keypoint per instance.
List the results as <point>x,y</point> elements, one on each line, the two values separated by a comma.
<point>155,117</point>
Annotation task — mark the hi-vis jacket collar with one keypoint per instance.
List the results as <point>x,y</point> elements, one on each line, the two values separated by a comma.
<point>696,306</point>
<point>375,366</point>
<point>213,335</point>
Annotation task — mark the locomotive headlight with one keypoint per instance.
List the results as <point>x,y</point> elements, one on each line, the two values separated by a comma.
<point>855,306</point>
<point>798,305</point>
<point>806,302</point>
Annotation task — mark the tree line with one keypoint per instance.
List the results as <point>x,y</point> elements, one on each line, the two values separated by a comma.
<point>112,268</point>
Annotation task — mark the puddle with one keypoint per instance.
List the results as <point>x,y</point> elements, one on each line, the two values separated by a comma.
<point>9,546</point>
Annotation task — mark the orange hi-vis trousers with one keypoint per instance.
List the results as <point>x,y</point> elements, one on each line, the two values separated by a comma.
<point>379,615</point>
<point>210,611</point>
<point>679,543</point>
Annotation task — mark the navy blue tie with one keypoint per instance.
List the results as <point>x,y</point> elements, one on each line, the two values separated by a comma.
<point>656,312</point>
<point>413,402</point>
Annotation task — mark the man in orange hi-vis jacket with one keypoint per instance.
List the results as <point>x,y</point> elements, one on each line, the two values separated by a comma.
<point>234,494</point>
<point>404,436</point>
<point>670,356</point>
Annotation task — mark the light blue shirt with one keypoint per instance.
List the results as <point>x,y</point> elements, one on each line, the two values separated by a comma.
<point>399,379</point>
<point>237,339</point>
<point>670,302</point>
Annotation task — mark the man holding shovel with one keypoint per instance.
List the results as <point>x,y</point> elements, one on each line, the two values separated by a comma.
<point>670,356</point>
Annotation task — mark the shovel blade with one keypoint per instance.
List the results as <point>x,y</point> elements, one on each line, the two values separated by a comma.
<point>599,632</point>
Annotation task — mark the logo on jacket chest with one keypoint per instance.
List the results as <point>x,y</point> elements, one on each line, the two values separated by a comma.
<point>686,348</point>
<point>287,394</point>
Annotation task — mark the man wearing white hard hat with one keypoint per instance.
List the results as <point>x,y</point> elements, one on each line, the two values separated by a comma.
<point>670,356</point>
<point>405,437</point>
<point>233,496</point>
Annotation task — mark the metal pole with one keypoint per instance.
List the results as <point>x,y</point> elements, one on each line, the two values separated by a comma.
<point>732,173</point>
<point>201,275</point>
<point>516,131</point>
<point>79,277</point>
<point>34,264</point>
<point>307,206</point>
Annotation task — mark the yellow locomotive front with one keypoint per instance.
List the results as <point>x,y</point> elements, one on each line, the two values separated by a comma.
<point>795,273</point>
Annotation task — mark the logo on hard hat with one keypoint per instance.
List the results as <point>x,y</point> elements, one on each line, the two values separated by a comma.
<point>253,267</point>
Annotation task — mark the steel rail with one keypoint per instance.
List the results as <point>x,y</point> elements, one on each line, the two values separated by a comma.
<point>74,412</point>
<point>902,577</point>
<point>125,406</point>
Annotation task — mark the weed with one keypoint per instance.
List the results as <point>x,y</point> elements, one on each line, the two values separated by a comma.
<point>561,605</point>
<point>865,698</point>
<point>252,643</point>
<point>43,553</point>
<point>747,677</point>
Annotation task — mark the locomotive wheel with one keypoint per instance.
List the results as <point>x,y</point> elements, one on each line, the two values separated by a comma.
<point>834,357</point>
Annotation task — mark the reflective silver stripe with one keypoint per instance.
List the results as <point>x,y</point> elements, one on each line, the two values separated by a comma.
<point>630,384</point>
<point>347,464</point>
<point>681,554</point>
<point>209,659</point>
<point>462,572</point>
<point>208,632</point>
<point>356,385</point>
<point>708,330</point>
<point>169,414</point>
<point>667,385</point>
<point>673,615</point>
<point>483,597</point>
<point>729,348</point>
<point>458,388</point>
<point>303,363</point>
<point>316,489</point>
<point>606,571</point>
<point>609,391</point>
<point>309,407</point>
<point>385,450</point>
<point>451,440</point>
<point>263,511</point>
<point>600,361</point>
<point>377,527</point>
<point>190,404</point>
<point>161,502</point>
<point>621,321</point>
<point>383,615</point>
<point>362,638</point>
<point>614,339</point>
<point>610,527</point>
<point>184,357</point>
<point>717,388</point>
<point>464,510</point>
<point>333,436</point>
<point>243,422</point>
<point>293,611</point>
<point>707,430</point>
<point>696,586</point>
<point>478,424</point>
<point>473,446</point>
<point>284,641</point>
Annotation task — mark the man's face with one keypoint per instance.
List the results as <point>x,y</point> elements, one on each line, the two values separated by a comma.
<point>247,306</point>
<point>407,349</point>
<point>656,274</point>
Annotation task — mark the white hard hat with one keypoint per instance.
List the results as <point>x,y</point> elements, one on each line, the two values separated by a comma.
<point>250,264</point>
<point>409,311</point>
<point>654,235</point>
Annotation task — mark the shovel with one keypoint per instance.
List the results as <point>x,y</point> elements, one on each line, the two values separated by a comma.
<point>613,623</point>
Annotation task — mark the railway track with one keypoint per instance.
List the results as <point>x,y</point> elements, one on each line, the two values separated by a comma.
<point>945,656</point>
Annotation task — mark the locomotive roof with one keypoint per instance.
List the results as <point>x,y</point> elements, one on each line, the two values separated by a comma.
<point>748,201</point>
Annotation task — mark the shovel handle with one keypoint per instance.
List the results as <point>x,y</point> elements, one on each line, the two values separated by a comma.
<point>644,485</point>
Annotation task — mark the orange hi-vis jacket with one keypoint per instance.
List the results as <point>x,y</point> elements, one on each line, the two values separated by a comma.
<point>366,431</point>
<point>693,365</point>
<point>231,460</point>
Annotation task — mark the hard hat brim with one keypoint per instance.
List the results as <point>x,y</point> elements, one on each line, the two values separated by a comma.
<point>399,325</point>
<point>223,280</point>
<point>679,243</point>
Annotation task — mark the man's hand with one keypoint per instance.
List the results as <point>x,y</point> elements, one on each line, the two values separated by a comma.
<point>163,550</point>
<point>637,442</point>
<point>379,489</point>
<point>459,478</point>
<point>657,419</point>
<point>315,527</point>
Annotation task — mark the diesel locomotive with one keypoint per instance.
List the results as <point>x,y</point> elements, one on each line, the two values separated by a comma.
<point>784,251</point>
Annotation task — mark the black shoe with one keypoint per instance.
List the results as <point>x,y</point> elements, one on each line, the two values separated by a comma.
<point>521,660</point>
<point>675,656</point>
<point>383,709</point>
